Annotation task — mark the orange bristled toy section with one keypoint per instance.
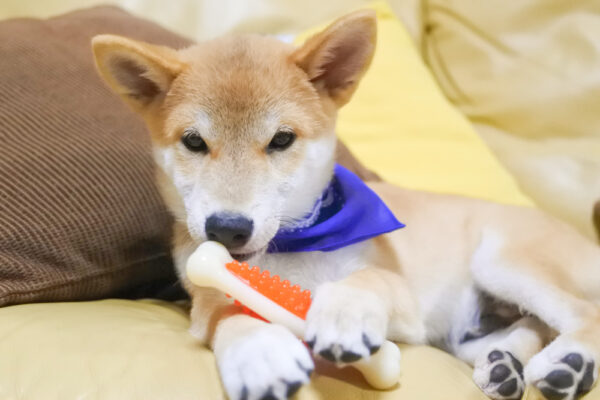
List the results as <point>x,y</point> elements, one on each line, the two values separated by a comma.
<point>292,298</point>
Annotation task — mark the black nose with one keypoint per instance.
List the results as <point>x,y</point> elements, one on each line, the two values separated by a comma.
<point>231,230</point>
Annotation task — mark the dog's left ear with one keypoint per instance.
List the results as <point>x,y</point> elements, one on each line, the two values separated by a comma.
<point>141,73</point>
<point>336,59</point>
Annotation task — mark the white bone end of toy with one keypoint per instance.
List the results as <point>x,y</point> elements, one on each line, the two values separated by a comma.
<point>382,369</point>
<point>206,265</point>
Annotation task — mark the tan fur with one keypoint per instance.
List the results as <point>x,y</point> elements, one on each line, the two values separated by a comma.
<point>410,285</point>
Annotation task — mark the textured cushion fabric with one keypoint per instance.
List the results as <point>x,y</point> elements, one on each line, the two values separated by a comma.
<point>527,73</point>
<point>400,125</point>
<point>123,350</point>
<point>80,216</point>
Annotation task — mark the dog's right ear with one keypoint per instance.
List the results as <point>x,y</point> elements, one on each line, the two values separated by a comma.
<point>336,59</point>
<point>139,72</point>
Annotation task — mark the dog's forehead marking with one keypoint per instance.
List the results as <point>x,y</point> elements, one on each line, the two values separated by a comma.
<point>272,120</point>
<point>203,123</point>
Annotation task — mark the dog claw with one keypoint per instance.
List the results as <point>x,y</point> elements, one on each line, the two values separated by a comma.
<point>292,388</point>
<point>328,355</point>
<point>348,357</point>
<point>373,348</point>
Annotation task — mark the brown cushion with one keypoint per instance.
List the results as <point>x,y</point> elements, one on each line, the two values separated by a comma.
<point>80,216</point>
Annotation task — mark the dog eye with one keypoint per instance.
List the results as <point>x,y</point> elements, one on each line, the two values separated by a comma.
<point>194,142</point>
<point>281,141</point>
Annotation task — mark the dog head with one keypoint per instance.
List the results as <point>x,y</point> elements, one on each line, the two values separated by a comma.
<point>242,126</point>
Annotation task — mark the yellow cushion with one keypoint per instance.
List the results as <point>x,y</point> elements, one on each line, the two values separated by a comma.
<point>400,125</point>
<point>122,350</point>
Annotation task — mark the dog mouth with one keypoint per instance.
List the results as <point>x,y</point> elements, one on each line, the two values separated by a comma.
<point>245,256</point>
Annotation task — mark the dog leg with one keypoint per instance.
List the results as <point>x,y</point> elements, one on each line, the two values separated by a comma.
<point>256,360</point>
<point>349,319</point>
<point>567,367</point>
<point>498,357</point>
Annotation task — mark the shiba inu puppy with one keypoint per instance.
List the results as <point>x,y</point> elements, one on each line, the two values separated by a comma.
<point>243,133</point>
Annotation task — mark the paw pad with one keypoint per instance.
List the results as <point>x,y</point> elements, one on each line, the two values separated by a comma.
<point>560,378</point>
<point>570,378</point>
<point>573,360</point>
<point>587,381</point>
<point>495,356</point>
<point>500,375</point>
<point>508,388</point>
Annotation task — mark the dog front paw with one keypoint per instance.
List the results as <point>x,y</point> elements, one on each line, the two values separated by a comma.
<point>344,323</point>
<point>267,362</point>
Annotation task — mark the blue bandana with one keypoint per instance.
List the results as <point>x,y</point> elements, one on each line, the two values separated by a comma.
<point>348,212</point>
